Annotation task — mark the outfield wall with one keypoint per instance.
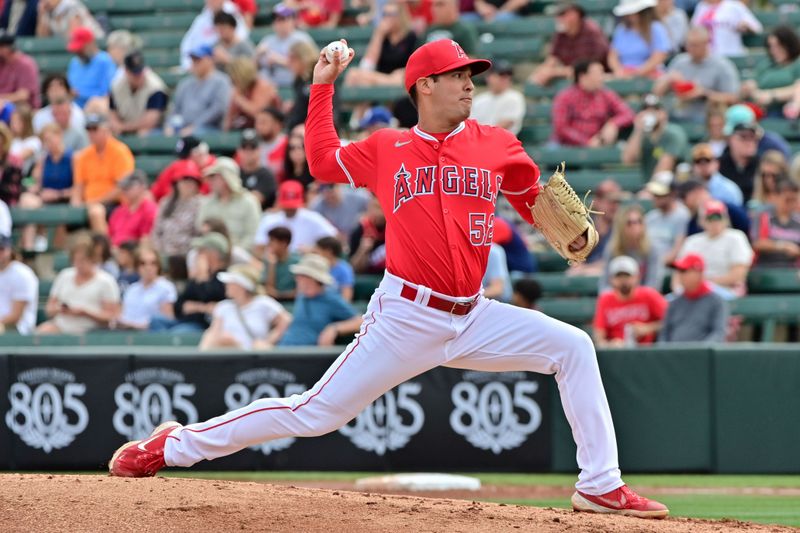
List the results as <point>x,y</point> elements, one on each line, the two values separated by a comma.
<point>731,409</point>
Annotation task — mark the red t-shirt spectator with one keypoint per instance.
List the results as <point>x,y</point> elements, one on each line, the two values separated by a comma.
<point>317,12</point>
<point>126,225</point>
<point>163,185</point>
<point>611,314</point>
<point>247,6</point>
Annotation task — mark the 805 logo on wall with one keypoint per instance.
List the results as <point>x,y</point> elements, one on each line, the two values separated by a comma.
<point>389,422</point>
<point>46,412</point>
<point>258,383</point>
<point>495,411</point>
<point>149,397</point>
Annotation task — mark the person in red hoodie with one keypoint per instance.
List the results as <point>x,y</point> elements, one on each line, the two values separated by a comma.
<point>133,219</point>
<point>188,149</point>
<point>629,313</point>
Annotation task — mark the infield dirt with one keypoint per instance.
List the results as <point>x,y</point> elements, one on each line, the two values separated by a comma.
<point>58,503</point>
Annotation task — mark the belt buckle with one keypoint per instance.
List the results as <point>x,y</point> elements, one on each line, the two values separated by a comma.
<point>469,305</point>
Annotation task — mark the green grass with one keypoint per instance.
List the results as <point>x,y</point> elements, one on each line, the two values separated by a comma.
<point>767,509</point>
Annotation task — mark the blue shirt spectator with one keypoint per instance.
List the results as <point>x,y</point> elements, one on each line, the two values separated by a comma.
<point>91,70</point>
<point>633,51</point>
<point>57,174</point>
<point>312,315</point>
<point>343,275</point>
<point>144,301</point>
<point>496,280</point>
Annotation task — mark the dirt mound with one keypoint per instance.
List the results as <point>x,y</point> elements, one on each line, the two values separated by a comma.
<point>46,503</point>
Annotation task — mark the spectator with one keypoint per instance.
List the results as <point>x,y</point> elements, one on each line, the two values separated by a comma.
<point>343,276</point>
<point>63,113</point>
<point>5,219</point>
<point>119,45</point>
<point>699,79</point>
<point>237,255</point>
<point>257,179</point>
<point>175,227</point>
<point>248,9</point>
<point>526,293</point>
<point>150,297</point>
<point>188,148</point>
<point>91,70</point>
<point>249,95</point>
<point>740,159</point>
<point>61,17</point>
<point>640,43</point>
<point>52,183</point>
<point>25,145</point>
<point>138,98</point>
<point>320,315</point>
<point>133,219</point>
<point>499,10</point>
<point>341,205</point>
<point>694,195</point>
<point>201,99</point>
<point>776,233</point>
<point>318,13</point>
<point>295,165</point>
<point>101,254</point>
<point>56,88</point>
<point>269,122</point>
<point>518,257</point>
<point>231,202</point>
<point>83,297</point>
<point>306,226</point>
<point>246,320</point>
<point>19,74</point>
<point>125,256</point>
<point>272,52</point>
<point>775,76</point>
<point>374,118</point>
<point>202,33</point>
<point>740,114</point>
<point>772,168</point>
<point>726,252</point>
<point>368,241</point>
<point>502,105</point>
<point>628,314</point>
<point>667,222</point>
<point>10,173</point>
<point>387,53</point>
<point>302,58</point>
<point>203,290</point>
<point>629,237</point>
<point>697,314</point>
<point>675,21</point>
<point>587,113</point>
<point>726,21</point>
<point>446,24</point>
<point>496,279</point>
<point>97,169</point>
<point>715,129</point>
<point>705,168</point>
<point>229,45</point>
<point>607,197</point>
<point>655,142</point>
<point>19,292</point>
<point>278,280</point>
<point>19,19</point>
<point>577,39</point>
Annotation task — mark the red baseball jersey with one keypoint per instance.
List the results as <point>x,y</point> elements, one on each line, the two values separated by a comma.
<point>612,313</point>
<point>438,192</point>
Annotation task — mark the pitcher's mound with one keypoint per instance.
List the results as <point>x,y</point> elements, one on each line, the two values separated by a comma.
<point>55,503</point>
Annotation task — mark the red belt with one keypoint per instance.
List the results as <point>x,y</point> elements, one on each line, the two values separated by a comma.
<point>455,308</point>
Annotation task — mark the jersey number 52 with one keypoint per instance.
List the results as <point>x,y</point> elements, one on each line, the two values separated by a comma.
<point>481,228</point>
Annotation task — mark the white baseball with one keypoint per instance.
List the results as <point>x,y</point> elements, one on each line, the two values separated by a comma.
<point>337,46</point>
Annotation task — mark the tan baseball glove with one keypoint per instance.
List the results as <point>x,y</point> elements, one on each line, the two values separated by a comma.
<point>562,217</point>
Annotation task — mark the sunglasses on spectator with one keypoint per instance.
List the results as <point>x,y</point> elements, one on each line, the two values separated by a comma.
<point>702,161</point>
<point>713,217</point>
<point>91,128</point>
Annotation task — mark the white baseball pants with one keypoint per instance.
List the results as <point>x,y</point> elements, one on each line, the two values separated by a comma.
<point>400,339</point>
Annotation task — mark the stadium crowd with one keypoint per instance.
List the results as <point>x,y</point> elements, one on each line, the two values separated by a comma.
<point>250,250</point>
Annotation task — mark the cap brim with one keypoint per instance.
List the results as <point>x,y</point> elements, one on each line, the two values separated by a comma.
<point>477,66</point>
<point>74,46</point>
<point>291,204</point>
<point>238,279</point>
<point>325,279</point>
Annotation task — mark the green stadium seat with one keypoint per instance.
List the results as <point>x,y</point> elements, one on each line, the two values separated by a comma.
<point>170,40</point>
<point>152,165</point>
<point>365,285</point>
<point>51,215</point>
<point>539,111</point>
<point>768,311</point>
<point>549,261</point>
<point>770,19</point>
<point>747,63</point>
<point>789,129</point>
<point>53,63</point>
<point>630,179</point>
<point>535,133</point>
<point>512,49</point>
<point>353,34</point>
<point>548,92</point>
<point>631,87</point>
<point>44,289</point>
<point>41,45</point>
<point>772,280</point>
<point>143,6</point>
<point>549,158</point>
<point>162,58</point>
<point>575,311</point>
<point>371,94</point>
<point>559,284</point>
<point>165,339</point>
<point>170,77</point>
<point>220,142</point>
<point>60,261</point>
<point>153,21</point>
<point>521,27</point>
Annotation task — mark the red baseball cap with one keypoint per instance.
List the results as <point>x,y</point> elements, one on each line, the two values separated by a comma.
<point>290,194</point>
<point>440,56</point>
<point>714,207</point>
<point>690,262</point>
<point>80,37</point>
<point>186,168</point>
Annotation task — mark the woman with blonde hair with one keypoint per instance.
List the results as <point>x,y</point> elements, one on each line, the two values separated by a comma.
<point>119,44</point>
<point>60,17</point>
<point>388,50</point>
<point>302,58</point>
<point>772,168</point>
<point>640,42</point>
<point>250,94</point>
<point>25,144</point>
<point>629,237</point>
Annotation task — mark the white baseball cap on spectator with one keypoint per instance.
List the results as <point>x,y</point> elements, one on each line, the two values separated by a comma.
<point>623,264</point>
<point>629,7</point>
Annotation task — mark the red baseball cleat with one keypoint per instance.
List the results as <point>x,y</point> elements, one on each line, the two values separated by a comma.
<point>142,458</point>
<point>619,501</point>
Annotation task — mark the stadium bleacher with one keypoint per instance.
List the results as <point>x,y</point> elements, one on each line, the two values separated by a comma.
<point>161,24</point>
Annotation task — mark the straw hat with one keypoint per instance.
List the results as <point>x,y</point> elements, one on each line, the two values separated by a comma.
<point>315,267</point>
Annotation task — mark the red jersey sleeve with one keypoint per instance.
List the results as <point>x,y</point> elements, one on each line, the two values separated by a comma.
<point>521,178</point>
<point>328,160</point>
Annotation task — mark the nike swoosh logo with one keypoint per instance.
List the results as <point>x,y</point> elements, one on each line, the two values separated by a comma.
<point>141,445</point>
<point>398,144</point>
